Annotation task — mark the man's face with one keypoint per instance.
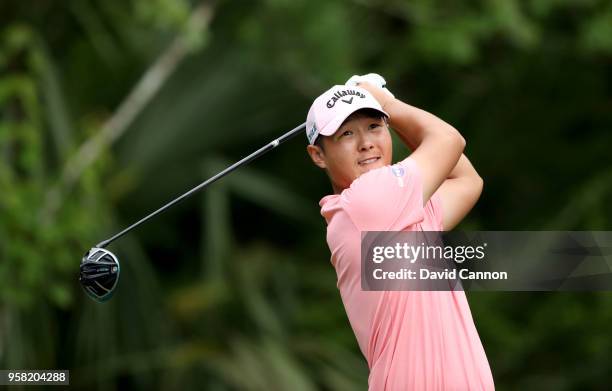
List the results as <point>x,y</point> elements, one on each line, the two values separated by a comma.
<point>361,144</point>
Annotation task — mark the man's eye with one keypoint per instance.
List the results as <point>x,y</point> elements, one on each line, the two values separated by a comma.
<point>347,132</point>
<point>374,125</point>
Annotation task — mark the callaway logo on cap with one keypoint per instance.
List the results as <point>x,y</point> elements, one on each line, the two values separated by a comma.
<point>333,106</point>
<point>341,94</point>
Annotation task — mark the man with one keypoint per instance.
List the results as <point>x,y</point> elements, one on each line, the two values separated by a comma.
<point>412,340</point>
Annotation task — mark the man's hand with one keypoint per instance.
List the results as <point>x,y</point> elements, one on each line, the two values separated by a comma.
<point>373,78</point>
<point>375,84</point>
<point>378,93</point>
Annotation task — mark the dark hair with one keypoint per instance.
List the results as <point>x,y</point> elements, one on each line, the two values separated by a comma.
<point>319,142</point>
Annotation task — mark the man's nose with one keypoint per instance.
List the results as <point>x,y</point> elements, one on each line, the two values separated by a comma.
<point>365,142</point>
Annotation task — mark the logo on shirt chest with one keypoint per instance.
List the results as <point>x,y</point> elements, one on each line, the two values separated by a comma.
<point>398,172</point>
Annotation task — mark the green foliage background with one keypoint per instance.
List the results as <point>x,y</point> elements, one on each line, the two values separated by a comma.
<point>233,288</point>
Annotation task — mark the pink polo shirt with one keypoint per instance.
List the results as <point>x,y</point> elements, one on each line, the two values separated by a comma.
<point>412,340</point>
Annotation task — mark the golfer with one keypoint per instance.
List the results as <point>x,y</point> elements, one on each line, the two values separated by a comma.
<point>412,340</point>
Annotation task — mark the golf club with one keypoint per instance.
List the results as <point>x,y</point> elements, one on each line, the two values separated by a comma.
<point>100,269</point>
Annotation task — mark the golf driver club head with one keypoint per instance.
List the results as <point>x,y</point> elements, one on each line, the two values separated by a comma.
<point>99,274</point>
<point>100,268</point>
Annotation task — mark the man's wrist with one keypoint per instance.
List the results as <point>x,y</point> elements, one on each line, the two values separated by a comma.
<point>386,102</point>
<point>378,93</point>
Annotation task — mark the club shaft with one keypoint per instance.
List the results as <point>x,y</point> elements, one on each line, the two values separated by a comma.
<point>271,145</point>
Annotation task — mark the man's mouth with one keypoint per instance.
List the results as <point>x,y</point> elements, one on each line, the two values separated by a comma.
<point>367,161</point>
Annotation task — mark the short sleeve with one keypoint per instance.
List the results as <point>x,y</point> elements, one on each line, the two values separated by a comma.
<point>389,198</point>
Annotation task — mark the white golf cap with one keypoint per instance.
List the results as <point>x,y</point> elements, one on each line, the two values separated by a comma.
<point>333,106</point>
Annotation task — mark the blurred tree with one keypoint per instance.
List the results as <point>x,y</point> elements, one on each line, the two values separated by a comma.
<point>110,108</point>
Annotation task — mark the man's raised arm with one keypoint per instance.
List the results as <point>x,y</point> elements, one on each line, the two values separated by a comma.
<point>438,150</point>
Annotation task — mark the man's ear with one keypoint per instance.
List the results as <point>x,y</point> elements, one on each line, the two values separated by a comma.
<point>317,155</point>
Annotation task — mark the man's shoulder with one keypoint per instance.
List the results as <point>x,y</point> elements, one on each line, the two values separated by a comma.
<point>386,198</point>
